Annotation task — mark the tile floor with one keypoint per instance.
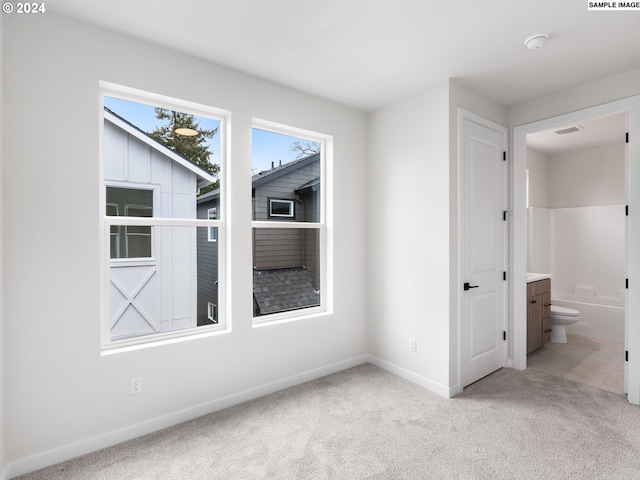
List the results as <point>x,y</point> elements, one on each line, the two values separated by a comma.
<point>584,360</point>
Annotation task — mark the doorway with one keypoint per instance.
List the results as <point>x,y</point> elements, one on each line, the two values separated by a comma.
<point>576,232</point>
<point>631,109</point>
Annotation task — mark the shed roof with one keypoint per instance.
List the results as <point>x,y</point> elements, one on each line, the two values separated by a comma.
<point>284,289</point>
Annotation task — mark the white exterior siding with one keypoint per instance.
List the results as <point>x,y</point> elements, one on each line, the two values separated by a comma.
<point>172,295</point>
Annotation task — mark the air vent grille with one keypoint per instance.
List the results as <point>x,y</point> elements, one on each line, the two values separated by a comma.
<point>573,129</point>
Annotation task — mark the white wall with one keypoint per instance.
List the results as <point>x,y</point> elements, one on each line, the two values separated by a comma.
<point>59,390</point>
<point>409,235</point>
<point>538,167</point>
<point>588,176</point>
<point>413,181</point>
<point>581,237</point>
<point>588,254</point>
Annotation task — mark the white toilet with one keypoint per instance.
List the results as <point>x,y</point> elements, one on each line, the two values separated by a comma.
<point>560,318</point>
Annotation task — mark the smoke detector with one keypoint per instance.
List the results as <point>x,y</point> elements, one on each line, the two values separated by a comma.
<point>536,41</point>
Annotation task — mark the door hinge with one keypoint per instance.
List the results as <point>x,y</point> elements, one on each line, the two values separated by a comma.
<point>504,156</point>
<point>626,355</point>
<point>504,276</point>
<point>504,215</point>
<point>504,336</point>
<point>626,210</point>
<point>627,139</point>
<point>626,283</point>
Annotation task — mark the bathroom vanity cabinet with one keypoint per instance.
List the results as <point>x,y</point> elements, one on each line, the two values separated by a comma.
<point>538,314</point>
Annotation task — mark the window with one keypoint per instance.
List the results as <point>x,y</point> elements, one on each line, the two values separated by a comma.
<point>165,256</point>
<point>289,223</point>
<point>212,312</point>
<point>212,214</point>
<point>130,241</point>
<point>281,208</point>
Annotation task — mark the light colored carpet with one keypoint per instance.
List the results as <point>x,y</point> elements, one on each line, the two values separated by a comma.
<point>365,423</point>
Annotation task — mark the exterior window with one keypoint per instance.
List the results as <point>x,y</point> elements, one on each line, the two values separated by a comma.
<point>130,241</point>
<point>163,273</point>
<point>281,208</point>
<point>212,312</point>
<point>289,234</point>
<point>212,214</point>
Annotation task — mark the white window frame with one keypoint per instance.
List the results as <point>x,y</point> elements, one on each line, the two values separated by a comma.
<point>323,226</point>
<point>212,234</point>
<point>292,208</point>
<point>109,346</point>
<point>212,312</point>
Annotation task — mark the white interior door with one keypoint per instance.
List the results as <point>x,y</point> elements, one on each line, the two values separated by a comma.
<point>483,249</point>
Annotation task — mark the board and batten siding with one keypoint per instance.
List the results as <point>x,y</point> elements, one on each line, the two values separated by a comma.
<point>128,160</point>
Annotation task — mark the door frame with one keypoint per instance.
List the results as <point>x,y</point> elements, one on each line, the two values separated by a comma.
<point>630,106</point>
<point>504,131</point>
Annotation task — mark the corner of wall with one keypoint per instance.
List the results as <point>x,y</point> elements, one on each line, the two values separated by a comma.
<point>3,457</point>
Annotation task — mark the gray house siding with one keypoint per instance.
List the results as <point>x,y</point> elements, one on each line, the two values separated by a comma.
<point>286,261</point>
<point>285,248</point>
<point>207,266</point>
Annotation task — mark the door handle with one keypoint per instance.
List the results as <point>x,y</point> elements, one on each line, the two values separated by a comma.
<point>467,286</point>
<point>533,301</point>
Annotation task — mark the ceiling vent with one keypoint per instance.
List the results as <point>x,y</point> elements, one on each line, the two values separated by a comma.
<point>573,129</point>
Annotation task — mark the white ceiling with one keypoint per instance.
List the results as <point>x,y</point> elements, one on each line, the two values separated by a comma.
<point>591,133</point>
<point>369,53</point>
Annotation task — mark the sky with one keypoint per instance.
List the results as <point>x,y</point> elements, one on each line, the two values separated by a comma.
<point>266,146</point>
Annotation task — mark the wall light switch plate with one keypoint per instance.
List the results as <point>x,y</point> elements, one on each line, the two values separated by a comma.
<point>413,345</point>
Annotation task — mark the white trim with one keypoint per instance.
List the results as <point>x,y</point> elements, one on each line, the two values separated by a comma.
<point>66,452</point>
<point>432,386</point>
<point>630,106</point>
<point>291,204</point>
<point>324,226</point>
<point>212,311</point>
<point>277,224</point>
<point>224,308</point>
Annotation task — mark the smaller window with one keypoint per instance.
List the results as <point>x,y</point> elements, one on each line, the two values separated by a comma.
<point>212,214</point>
<point>212,312</point>
<point>130,241</point>
<point>281,208</point>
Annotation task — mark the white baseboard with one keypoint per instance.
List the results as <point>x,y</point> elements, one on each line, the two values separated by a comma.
<point>57,455</point>
<point>424,382</point>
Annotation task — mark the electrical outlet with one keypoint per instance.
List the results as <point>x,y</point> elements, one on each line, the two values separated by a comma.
<point>413,345</point>
<point>136,386</point>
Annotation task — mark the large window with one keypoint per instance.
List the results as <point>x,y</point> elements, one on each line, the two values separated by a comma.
<point>163,244</point>
<point>289,223</point>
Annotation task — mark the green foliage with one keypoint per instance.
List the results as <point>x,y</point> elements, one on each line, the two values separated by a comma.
<point>194,148</point>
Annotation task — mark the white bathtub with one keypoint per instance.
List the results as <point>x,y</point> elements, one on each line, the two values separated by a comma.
<point>603,320</point>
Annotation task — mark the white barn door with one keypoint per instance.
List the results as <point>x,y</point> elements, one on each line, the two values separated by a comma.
<point>483,248</point>
<point>134,290</point>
